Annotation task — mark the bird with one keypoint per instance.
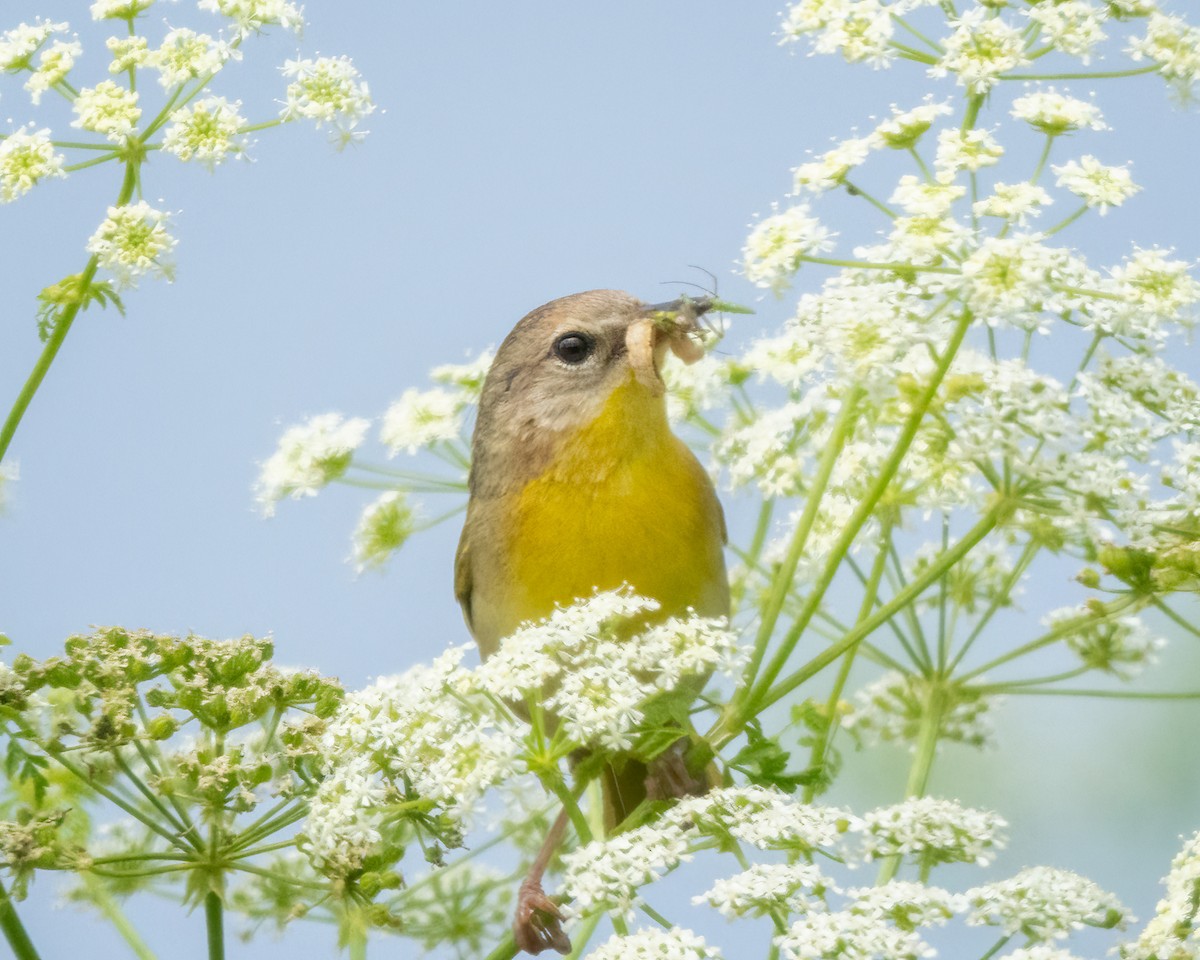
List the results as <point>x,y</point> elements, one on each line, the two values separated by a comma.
<point>577,485</point>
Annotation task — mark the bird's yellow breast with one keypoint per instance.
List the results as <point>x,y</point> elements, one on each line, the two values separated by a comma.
<point>622,501</point>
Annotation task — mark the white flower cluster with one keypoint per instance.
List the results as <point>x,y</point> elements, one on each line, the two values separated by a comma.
<point>891,710</point>
<point>133,241</point>
<point>328,91</point>
<point>600,679</point>
<point>1174,931</point>
<point>1044,904</point>
<point>107,108</point>
<point>778,245</point>
<point>25,159</point>
<point>423,418</point>
<point>766,888</point>
<point>185,54</point>
<point>207,130</point>
<point>18,45</point>
<point>253,16</point>
<point>308,457</point>
<point>933,831</point>
<point>1123,647</point>
<point>383,527</point>
<point>652,944</point>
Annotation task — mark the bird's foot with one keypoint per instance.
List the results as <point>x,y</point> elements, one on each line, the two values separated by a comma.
<point>667,775</point>
<point>537,925</point>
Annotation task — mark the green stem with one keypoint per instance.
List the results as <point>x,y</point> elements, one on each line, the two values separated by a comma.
<point>108,905</point>
<point>59,334</point>
<point>896,267</point>
<point>14,931</point>
<point>214,924</point>
<point>581,936</point>
<point>1041,164</point>
<point>1101,75</point>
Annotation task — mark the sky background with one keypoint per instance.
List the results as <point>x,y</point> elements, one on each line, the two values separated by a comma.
<point>520,152</point>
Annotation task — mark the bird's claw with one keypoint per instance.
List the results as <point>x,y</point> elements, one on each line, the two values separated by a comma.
<point>537,925</point>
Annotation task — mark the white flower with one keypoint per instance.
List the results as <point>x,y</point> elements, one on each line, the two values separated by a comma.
<point>185,54</point>
<point>607,874</point>
<point>467,377</point>
<point>206,131</point>
<point>768,887</point>
<point>832,167</point>
<point>1174,931</point>
<point>765,818</point>
<point>906,904</point>
<point>308,457</point>
<point>858,29</point>
<point>382,529</point>
<point>933,831</point>
<point>127,53</point>
<point>1098,185</point>
<point>18,45</point>
<point>133,241</point>
<point>1013,280</point>
<point>778,245</point>
<point>53,66</point>
<point>1043,904</point>
<point>980,49</point>
<point>1013,201</point>
<point>849,936</point>
<point>1072,26</point>
<point>891,710</point>
<point>327,91</point>
<point>119,9</point>
<point>422,418</point>
<point>251,16</point>
<point>654,944</point>
<point>1174,45</point>
<point>695,387</point>
<point>965,150</point>
<point>1132,8</point>
<point>25,159</point>
<point>107,108</point>
<point>904,128</point>
<point>1155,283</point>
<point>920,198</point>
<point>1040,951</point>
<point>1056,113</point>
<point>1122,647</point>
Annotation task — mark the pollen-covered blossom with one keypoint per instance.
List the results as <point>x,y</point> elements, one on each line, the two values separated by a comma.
<point>655,944</point>
<point>1056,113</point>
<point>53,66</point>
<point>602,678</point>
<point>1097,185</point>
<point>1072,26</point>
<point>980,49</point>
<point>184,54</point>
<point>1154,282</point>
<point>920,198</point>
<point>327,91</point>
<point>127,53</point>
<point>766,888</point>
<point>607,874</point>
<point>1122,647</point>
<point>1174,931</point>
<point>778,245</point>
<point>133,241</point>
<point>252,16</point>
<point>860,30</point>
<point>18,45</point>
<point>833,166</point>
<point>382,529</point>
<point>207,131</point>
<point>1043,904</point>
<point>933,831</point>
<point>25,159</point>
<point>107,108</point>
<point>904,128</point>
<point>891,710</point>
<point>422,418</point>
<point>843,935</point>
<point>1174,45</point>
<point>119,9</point>
<point>970,150</point>
<point>1013,201</point>
<point>308,457</point>
<point>1013,280</point>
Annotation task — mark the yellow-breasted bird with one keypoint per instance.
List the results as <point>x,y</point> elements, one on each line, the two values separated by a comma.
<point>578,484</point>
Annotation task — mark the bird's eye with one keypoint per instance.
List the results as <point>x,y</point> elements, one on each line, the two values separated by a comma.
<point>574,348</point>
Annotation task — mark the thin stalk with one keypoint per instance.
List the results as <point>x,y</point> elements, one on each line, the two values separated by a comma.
<point>14,930</point>
<point>59,334</point>
<point>896,267</point>
<point>877,204</point>
<point>864,510</point>
<point>1190,628</point>
<point>985,526</point>
<point>108,905</point>
<point>1100,75</point>
<point>581,937</point>
<point>1022,564</point>
<point>214,925</point>
<point>1041,164</point>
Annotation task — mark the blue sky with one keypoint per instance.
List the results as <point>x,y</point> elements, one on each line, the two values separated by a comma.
<point>519,153</point>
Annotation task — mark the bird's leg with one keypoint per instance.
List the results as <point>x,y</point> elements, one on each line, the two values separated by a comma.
<point>537,925</point>
<point>668,777</point>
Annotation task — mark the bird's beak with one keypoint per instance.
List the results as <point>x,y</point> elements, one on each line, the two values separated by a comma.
<point>664,326</point>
